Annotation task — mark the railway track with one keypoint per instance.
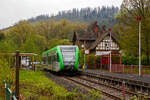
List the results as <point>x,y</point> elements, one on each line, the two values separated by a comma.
<point>128,93</point>
<point>89,85</point>
<point>108,90</point>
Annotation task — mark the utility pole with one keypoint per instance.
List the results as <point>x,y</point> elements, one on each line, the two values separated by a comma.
<point>110,49</point>
<point>84,52</point>
<point>140,67</point>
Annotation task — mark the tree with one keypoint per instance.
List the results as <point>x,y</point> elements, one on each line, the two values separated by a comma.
<point>46,28</point>
<point>1,35</point>
<point>103,14</point>
<point>34,44</point>
<point>20,32</point>
<point>128,26</point>
<point>8,46</point>
<point>55,42</point>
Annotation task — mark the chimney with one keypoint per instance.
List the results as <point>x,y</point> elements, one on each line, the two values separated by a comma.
<point>96,28</point>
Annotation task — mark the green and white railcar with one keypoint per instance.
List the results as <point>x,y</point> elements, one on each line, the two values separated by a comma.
<point>60,58</point>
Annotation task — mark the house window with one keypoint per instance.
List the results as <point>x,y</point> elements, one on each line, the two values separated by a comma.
<point>107,44</point>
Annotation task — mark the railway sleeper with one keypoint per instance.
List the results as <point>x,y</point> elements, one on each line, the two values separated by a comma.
<point>132,85</point>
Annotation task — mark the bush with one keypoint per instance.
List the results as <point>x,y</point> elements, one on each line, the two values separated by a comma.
<point>131,60</point>
<point>144,60</point>
<point>6,73</point>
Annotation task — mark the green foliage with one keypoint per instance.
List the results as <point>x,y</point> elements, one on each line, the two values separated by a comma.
<point>37,37</point>
<point>134,98</point>
<point>62,29</point>
<point>7,46</point>
<point>34,44</point>
<point>6,74</point>
<point>81,57</point>
<point>54,42</point>
<point>139,97</point>
<point>95,95</point>
<point>1,36</point>
<point>20,32</point>
<point>128,27</point>
<point>36,85</point>
<point>129,60</point>
<point>91,95</point>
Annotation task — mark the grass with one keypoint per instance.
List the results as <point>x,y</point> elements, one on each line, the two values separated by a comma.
<point>36,85</point>
<point>1,98</point>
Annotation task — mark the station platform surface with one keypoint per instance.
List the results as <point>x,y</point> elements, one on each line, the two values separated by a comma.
<point>143,78</point>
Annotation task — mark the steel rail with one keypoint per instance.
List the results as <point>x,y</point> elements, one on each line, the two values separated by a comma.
<point>90,87</point>
<point>128,92</point>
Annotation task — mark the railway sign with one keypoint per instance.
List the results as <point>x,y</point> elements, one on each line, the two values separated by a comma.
<point>100,53</point>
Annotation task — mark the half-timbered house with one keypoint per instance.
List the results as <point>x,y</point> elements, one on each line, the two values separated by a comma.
<point>100,42</point>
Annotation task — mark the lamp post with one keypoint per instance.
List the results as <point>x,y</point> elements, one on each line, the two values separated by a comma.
<point>140,69</point>
<point>110,48</point>
<point>83,46</point>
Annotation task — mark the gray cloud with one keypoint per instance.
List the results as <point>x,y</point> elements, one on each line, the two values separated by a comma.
<point>15,10</point>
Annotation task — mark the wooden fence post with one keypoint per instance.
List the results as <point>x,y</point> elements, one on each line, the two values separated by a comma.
<point>17,74</point>
<point>33,63</point>
<point>124,90</point>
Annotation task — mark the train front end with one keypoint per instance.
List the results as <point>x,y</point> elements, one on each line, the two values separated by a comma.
<point>70,55</point>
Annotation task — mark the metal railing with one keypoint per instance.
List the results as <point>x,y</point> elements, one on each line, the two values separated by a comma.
<point>9,95</point>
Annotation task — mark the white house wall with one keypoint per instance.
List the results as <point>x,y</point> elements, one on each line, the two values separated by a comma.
<point>105,44</point>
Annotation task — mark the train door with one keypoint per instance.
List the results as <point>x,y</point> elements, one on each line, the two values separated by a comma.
<point>49,61</point>
<point>57,60</point>
<point>56,64</point>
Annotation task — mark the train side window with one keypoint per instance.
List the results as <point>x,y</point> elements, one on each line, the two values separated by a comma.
<point>53,59</point>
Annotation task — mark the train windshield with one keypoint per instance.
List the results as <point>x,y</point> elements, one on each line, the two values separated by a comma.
<point>69,55</point>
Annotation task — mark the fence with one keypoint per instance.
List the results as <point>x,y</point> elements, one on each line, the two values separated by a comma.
<point>9,95</point>
<point>126,69</point>
<point>134,69</point>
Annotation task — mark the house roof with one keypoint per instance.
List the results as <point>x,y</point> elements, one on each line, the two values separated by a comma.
<point>86,35</point>
<point>93,33</point>
<point>90,33</point>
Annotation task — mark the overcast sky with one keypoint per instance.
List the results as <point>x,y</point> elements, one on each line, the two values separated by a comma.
<point>11,11</point>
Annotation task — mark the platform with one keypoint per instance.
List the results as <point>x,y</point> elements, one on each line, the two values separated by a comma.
<point>136,80</point>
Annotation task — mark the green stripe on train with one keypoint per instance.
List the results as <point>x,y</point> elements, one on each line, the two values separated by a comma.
<point>77,59</point>
<point>60,58</point>
<point>57,48</point>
